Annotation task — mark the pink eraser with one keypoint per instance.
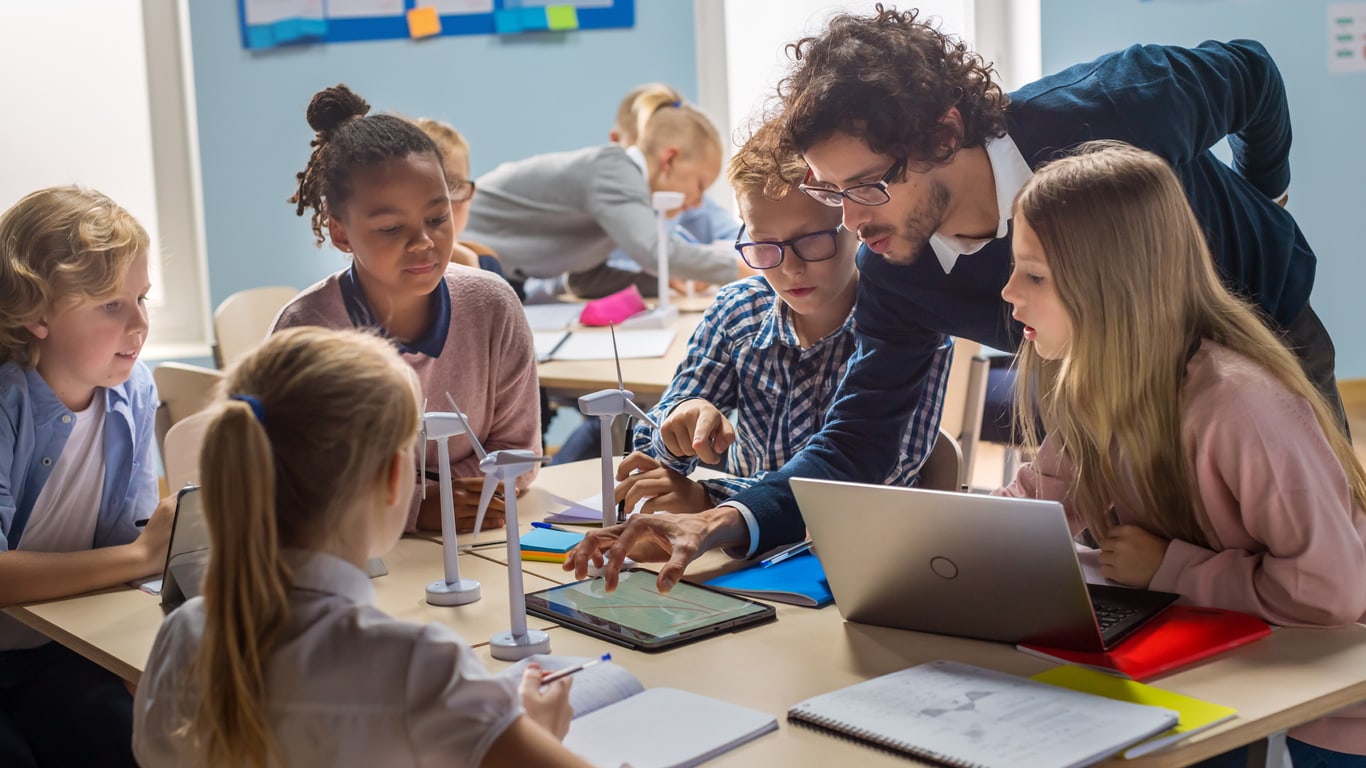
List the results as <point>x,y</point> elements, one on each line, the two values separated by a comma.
<point>613,308</point>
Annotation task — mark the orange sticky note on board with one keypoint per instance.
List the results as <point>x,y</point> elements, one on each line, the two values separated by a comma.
<point>423,22</point>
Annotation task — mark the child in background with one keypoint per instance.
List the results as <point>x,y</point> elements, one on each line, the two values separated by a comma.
<point>771,348</point>
<point>707,223</point>
<point>378,185</point>
<point>565,212</point>
<point>77,470</point>
<point>284,660</point>
<point>1181,432</point>
<point>455,156</point>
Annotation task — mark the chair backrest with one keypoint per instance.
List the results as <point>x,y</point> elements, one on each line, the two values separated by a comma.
<point>964,401</point>
<point>242,321</point>
<point>183,390</point>
<point>184,442</point>
<point>942,468</point>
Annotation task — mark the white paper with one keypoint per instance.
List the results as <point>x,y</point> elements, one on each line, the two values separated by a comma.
<point>448,7</point>
<point>271,11</point>
<point>552,317</point>
<point>630,344</point>
<point>544,343</point>
<point>1347,37</point>
<point>583,511</point>
<point>665,727</point>
<point>352,9</point>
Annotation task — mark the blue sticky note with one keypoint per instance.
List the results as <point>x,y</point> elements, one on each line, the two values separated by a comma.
<point>549,540</point>
<point>533,19</point>
<point>507,21</point>
<point>313,27</point>
<point>260,36</point>
<point>287,30</point>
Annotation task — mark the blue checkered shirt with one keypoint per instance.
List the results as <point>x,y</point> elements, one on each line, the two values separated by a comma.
<point>744,358</point>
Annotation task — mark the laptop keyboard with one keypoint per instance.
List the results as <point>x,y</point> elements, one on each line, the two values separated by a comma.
<point>1109,615</point>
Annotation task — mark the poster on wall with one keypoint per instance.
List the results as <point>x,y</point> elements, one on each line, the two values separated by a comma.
<point>1347,37</point>
<point>272,23</point>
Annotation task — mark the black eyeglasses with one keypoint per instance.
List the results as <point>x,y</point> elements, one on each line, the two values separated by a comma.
<point>461,190</point>
<point>874,193</point>
<point>767,254</point>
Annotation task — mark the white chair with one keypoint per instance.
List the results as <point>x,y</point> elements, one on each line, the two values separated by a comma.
<point>184,442</point>
<point>942,470</point>
<point>242,320</point>
<point>964,397</point>
<point>183,391</point>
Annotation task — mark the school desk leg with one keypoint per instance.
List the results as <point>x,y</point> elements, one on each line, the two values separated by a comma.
<point>1269,752</point>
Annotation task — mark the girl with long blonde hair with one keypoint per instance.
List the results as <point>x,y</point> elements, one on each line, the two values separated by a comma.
<point>284,660</point>
<point>1181,432</point>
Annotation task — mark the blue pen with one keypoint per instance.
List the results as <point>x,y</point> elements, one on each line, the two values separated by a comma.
<point>549,527</point>
<point>551,677</point>
<point>792,551</point>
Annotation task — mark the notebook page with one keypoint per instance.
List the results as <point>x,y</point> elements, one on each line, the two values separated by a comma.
<point>593,688</point>
<point>665,728</point>
<point>965,715</point>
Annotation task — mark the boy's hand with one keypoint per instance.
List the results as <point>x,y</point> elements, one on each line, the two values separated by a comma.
<point>696,428</point>
<point>642,477</point>
<point>156,536</point>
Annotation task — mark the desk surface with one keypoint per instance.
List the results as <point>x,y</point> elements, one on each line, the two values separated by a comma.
<point>646,377</point>
<point>1291,677</point>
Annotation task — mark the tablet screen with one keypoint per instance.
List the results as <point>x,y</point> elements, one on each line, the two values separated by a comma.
<point>638,615</point>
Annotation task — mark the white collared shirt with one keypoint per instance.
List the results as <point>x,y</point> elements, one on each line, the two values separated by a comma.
<point>346,684</point>
<point>1010,171</point>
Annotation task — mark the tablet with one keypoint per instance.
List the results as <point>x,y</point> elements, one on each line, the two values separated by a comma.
<point>638,616</point>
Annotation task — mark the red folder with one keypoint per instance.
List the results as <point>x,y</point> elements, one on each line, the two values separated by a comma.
<point>1177,637</point>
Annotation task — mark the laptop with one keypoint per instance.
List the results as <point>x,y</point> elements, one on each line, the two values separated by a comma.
<point>968,565</point>
<point>187,554</point>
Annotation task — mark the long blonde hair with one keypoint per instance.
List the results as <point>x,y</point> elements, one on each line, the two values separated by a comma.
<point>1138,284</point>
<point>59,244</point>
<point>334,407</point>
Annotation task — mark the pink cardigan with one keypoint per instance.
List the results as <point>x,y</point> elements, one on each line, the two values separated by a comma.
<point>1286,538</point>
<point>488,365</point>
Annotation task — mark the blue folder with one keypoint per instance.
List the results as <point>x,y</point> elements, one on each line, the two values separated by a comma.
<point>797,580</point>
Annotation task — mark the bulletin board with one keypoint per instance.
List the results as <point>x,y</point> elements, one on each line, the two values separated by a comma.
<point>272,23</point>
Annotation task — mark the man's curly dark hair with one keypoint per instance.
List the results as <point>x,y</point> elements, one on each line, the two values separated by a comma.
<point>888,80</point>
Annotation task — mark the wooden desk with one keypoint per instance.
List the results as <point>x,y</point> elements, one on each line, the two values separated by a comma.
<point>115,628</point>
<point>646,377</point>
<point>1289,678</point>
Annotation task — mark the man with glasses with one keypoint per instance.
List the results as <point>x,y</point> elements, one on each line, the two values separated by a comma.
<point>771,349</point>
<point>903,129</point>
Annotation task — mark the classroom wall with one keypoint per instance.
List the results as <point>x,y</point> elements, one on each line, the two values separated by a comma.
<point>1328,162</point>
<point>511,96</point>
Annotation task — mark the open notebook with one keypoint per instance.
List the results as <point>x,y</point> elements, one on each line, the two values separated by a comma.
<point>962,715</point>
<point>618,722</point>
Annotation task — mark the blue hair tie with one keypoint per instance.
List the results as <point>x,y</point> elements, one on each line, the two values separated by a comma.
<point>677,104</point>
<point>257,410</point>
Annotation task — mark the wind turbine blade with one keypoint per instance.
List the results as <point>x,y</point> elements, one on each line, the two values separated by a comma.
<point>621,385</point>
<point>634,410</point>
<point>478,447</point>
<point>485,496</point>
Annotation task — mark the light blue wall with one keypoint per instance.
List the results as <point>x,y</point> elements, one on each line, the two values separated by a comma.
<point>1328,161</point>
<point>511,97</point>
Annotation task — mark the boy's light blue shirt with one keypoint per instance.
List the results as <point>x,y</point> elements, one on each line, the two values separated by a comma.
<point>34,427</point>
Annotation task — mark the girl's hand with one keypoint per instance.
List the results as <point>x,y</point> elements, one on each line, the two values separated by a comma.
<point>546,706</point>
<point>1131,555</point>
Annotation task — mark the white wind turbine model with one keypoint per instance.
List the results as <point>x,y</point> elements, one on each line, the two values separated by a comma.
<point>607,405</point>
<point>505,467</point>
<point>441,427</point>
<point>664,315</point>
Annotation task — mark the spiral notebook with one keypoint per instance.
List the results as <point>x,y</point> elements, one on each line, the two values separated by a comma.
<point>961,715</point>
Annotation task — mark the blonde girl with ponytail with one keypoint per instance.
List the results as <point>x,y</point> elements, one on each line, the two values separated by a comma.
<point>566,212</point>
<point>284,659</point>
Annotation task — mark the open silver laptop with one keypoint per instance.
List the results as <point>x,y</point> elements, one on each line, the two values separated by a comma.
<point>960,564</point>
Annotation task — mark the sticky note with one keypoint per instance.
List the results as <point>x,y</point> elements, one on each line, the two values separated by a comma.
<point>562,17</point>
<point>549,540</point>
<point>423,22</point>
<point>507,21</point>
<point>534,19</point>
<point>260,36</point>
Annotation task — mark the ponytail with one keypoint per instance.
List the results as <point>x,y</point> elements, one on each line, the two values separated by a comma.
<point>244,590</point>
<point>662,119</point>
